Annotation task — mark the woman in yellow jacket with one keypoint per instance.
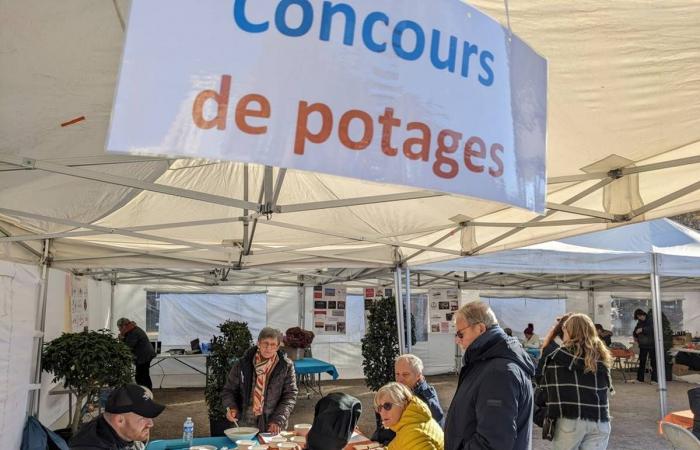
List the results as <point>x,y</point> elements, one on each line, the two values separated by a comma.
<point>408,417</point>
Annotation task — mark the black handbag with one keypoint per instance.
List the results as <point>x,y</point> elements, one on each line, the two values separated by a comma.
<point>548,428</point>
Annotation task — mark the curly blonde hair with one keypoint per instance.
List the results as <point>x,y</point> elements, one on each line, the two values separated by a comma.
<point>583,340</point>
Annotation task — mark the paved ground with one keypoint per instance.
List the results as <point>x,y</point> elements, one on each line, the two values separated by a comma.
<point>634,410</point>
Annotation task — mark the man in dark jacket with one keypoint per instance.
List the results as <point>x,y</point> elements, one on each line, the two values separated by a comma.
<point>141,347</point>
<point>126,422</point>
<point>408,370</point>
<point>644,334</point>
<point>492,407</point>
<point>261,389</point>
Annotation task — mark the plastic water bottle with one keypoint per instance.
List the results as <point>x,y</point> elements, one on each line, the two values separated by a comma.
<point>188,431</point>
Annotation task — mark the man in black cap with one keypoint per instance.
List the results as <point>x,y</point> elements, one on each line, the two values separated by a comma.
<point>141,347</point>
<point>125,424</point>
<point>335,417</point>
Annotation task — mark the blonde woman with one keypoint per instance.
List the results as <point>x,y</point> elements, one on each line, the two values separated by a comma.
<point>408,417</point>
<point>576,377</point>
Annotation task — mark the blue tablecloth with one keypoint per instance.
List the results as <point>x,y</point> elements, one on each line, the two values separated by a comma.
<point>173,444</point>
<point>312,365</point>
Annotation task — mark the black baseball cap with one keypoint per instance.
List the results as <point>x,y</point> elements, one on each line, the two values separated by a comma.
<point>133,398</point>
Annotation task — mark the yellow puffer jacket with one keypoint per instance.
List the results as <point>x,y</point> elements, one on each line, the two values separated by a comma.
<point>417,430</point>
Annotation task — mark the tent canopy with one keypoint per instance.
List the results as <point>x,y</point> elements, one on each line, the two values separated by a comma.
<point>623,145</point>
<point>627,250</point>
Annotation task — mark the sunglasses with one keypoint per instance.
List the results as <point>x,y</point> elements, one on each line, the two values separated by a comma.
<point>459,334</point>
<point>385,406</point>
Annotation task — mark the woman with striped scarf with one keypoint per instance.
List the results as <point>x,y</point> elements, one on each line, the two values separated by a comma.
<point>261,389</point>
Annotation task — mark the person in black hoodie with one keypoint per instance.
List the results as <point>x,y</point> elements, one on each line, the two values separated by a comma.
<point>492,407</point>
<point>141,348</point>
<point>335,418</point>
<point>644,335</point>
<point>576,377</point>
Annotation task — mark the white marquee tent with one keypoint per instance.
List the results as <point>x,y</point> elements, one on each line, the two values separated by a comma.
<point>650,249</point>
<point>623,146</point>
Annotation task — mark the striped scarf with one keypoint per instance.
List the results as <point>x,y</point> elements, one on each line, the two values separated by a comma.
<point>263,367</point>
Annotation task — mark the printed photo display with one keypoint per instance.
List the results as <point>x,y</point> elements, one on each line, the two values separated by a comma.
<point>443,304</point>
<point>329,309</point>
<point>375,293</point>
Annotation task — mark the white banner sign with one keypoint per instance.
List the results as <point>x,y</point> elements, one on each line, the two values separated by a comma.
<point>424,93</point>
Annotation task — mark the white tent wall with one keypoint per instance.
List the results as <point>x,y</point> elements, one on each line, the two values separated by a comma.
<point>130,301</point>
<point>19,292</point>
<point>53,408</point>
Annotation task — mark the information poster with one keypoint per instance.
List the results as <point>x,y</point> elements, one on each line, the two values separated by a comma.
<point>375,293</point>
<point>443,304</point>
<point>78,303</point>
<point>329,309</point>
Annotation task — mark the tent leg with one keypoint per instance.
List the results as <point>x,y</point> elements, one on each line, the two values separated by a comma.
<point>301,296</point>
<point>399,308</point>
<point>110,316</point>
<point>409,331</point>
<point>658,335</point>
<point>35,385</point>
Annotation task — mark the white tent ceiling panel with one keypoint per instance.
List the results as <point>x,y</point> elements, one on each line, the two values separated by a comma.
<point>623,90</point>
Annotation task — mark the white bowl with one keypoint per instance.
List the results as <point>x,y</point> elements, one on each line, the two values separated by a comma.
<point>242,433</point>
<point>244,444</point>
<point>302,429</point>
<point>288,445</point>
<point>299,440</point>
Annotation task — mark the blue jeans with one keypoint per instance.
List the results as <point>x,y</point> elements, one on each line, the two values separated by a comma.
<point>578,434</point>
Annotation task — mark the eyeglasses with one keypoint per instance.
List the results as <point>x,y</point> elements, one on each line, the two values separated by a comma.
<point>267,345</point>
<point>385,406</point>
<point>459,334</point>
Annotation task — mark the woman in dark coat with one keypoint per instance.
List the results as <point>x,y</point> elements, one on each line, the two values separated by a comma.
<point>261,389</point>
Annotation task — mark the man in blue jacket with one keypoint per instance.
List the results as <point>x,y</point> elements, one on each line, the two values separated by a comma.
<point>408,370</point>
<point>492,407</point>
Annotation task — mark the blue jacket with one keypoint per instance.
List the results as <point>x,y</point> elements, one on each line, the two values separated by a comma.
<point>492,407</point>
<point>427,393</point>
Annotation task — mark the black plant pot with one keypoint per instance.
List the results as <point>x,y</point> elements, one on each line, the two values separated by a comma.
<point>217,425</point>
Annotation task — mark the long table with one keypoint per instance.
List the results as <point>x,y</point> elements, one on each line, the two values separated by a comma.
<point>178,444</point>
<point>306,368</point>
<point>182,359</point>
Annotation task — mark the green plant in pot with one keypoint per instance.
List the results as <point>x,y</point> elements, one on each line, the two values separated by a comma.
<point>225,349</point>
<point>87,362</point>
<point>380,346</point>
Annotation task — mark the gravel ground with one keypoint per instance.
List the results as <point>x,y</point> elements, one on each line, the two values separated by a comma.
<point>634,410</point>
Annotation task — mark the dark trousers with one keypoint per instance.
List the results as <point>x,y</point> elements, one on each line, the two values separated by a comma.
<point>143,375</point>
<point>643,353</point>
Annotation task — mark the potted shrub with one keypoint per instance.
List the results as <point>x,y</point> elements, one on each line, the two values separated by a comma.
<point>296,341</point>
<point>380,346</point>
<point>86,362</point>
<point>225,349</point>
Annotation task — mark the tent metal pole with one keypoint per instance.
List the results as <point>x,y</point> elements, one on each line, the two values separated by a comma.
<point>35,393</point>
<point>658,335</point>
<point>409,331</point>
<point>301,295</point>
<point>112,287</point>
<point>399,309</point>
